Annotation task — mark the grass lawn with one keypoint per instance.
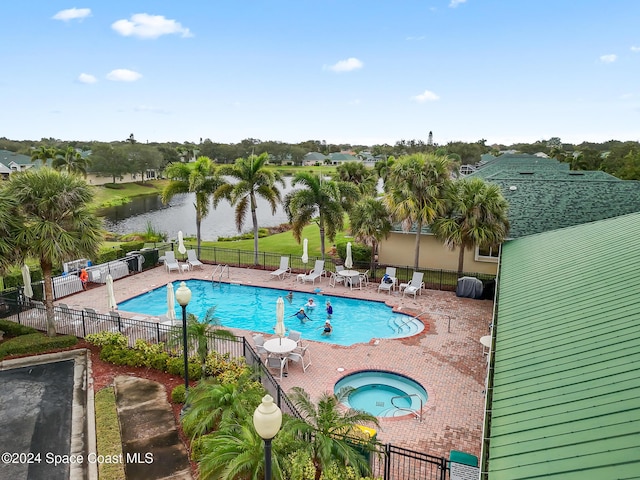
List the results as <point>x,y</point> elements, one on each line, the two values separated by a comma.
<point>106,197</point>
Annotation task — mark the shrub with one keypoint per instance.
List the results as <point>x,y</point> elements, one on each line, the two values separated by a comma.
<point>178,394</point>
<point>15,329</point>
<point>359,253</point>
<point>223,368</point>
<point>35,343</point>
<point>102,339</point>
<point>175,366</point>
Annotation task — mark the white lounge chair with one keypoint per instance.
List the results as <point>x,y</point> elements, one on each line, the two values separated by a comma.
<point>384,286</point>
<point>192,259</point>
<point>317,272</point>
<point>284,270</point>
<point>415,285</point>
<point>170,262</point>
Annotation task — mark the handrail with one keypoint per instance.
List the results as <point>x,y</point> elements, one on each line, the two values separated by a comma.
<point>221,268</point>
<point>430,313</point>
<point>417,413</point>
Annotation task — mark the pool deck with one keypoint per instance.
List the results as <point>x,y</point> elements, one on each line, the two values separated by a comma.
<point>446,358</point>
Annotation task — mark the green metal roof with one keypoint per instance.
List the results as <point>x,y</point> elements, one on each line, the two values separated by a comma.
<point>566,383</point>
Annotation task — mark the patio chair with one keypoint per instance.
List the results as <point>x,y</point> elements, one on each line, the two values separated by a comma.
<point>284,270</point>
<point>414,286</point>
<point>355,282</point>
<point>258,340</point>
<point>295,336</point>
<point>278,364</point>
<point>364,278</point>
<point>317,272</point>
<point>335,277</point>
<point>192,259</point>
<point>299,355</point>
<point>170,262</point>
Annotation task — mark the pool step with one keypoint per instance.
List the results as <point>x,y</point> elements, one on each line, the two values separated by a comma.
<point>404,327</point>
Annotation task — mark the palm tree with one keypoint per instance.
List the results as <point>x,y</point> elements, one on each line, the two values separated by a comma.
<point>44,153</point>
<point>325,202</point>
<point>476,216</point>
<point>254,180</point>
<point>203,179</point>
<point>359,175</point>
<point>71,161</point>
<point>370,223</point>
<point>416,192</point>
<point>327,426</point>
<point>10,225</point>
<point>57,223</point>
<point>382,167</point>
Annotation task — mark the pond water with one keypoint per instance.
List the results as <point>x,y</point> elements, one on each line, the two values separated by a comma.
<point>180,214</point>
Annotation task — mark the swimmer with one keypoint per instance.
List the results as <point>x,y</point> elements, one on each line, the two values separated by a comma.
<point>289,297</point>
<point>327,328</point>
<point>301,315</point>
<point>329,309</point>
<point>310,304</point>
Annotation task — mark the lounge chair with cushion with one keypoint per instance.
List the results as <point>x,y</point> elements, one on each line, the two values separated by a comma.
<point>284,270</point>
<point>317,272</point>
<point>170,262</point>
<point>414,286</point>
<point>192,259</point>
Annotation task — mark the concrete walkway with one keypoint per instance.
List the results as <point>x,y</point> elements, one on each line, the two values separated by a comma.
<point>151,446</point>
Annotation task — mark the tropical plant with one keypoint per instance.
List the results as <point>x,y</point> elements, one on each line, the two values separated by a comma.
<point>10,225</point>
<point>254,180</point>
<point>476,216</point>
<point>359,175</point>
<point>57,225</point>
<point>370,223</point>
<point>71,161</point>
<point>415,195</point>
<point>382,167</point>
<point>329,429</point>
<point>203,180</point>
<point>44,154</point>
<point>324,202</point>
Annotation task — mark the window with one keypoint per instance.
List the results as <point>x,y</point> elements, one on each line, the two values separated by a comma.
<point>487,254</point>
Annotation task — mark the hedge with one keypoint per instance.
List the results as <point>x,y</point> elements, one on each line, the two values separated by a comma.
<point>15,329</point>
<point>35,343</point>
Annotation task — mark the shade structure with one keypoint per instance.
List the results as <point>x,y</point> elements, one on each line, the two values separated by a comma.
<point>171,302</point>
<point>26,278</point>
<point>348,262</point>
<point>111,296</point>
<point>305,251</point>
<point>280,329</point>
<point>181,248</point>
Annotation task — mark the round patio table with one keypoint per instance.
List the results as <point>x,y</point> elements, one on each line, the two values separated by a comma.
<point>280,346</point>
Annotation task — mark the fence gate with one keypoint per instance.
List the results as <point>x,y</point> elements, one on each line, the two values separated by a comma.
<point>397,463</point>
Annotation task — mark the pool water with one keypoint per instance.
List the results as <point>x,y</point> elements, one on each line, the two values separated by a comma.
<point>382,393</point>
<point>254,308</point>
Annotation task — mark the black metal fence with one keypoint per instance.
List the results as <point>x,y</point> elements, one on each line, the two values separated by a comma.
<point>387,461</point>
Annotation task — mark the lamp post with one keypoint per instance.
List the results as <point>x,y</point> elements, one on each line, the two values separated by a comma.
<point>267,420</point>
<point>183,296</point>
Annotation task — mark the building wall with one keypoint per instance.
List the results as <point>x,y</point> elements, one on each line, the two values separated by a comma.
<point>399,249</point>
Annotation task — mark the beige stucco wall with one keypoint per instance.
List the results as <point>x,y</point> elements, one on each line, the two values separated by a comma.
<point>93,179</point>
<point>399,249</point>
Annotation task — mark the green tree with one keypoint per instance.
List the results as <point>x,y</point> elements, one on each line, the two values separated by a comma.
<point>476,216</point>
<point>326,424</point>
<point>110,160</point>
<point>71,161</point>
<point>382,167</point>
<point>10,226</point>
<point>416,192</point>
<point>202,180</point>
<point>58,226</point>
<point>370,223</point>
<point>44,154</point>
<point>321,201</point>
<point>254,180</point>
<point>359,175</point>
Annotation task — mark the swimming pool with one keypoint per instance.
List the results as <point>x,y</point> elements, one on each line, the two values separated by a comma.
<point>254,308</point>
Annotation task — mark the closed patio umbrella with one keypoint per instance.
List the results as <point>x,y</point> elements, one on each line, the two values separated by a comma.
<point>26,278</point>
<point>171,303</point>
<point>280,329</point>
<point>111,296</point>
<point>348,262</point>
<point>181,248</point>
<point>305,251</point>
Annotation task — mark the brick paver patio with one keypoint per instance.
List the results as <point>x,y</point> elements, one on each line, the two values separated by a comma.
<point>446,358</point>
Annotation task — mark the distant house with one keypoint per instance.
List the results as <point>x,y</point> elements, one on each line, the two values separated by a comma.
<point>340,158</point>
<point>313,158</point>
<point>17,162</point>
<point>4,171</point>
<point>543,195</point>
<point>562,388</point>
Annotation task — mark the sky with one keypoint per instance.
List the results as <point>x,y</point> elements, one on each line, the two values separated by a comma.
<point>361,72</point>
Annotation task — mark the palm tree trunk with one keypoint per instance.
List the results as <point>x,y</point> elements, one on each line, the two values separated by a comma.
<point>46,267</point>
<point>374,247</point>
<point>416,259</point>
<point>198,239</point>
<point>254,218</point>
<point>321,226</point>
<point>461,259</point>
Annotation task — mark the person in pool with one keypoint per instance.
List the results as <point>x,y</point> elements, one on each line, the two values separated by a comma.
<point>311,304</point>
<point>329,309</point>
<point>327,328</point>
<point>289,297</point>
<point>301,315</point>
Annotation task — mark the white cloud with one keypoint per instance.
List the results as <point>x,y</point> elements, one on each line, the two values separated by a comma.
<point>87,78</point>
<point>455,3</point>
<point>409,39</point>
<point>612,57</point>
<point>123,75</point>
<point>72,13</point>
<point>143,25</point>
<point>635,49</point>
<point>426,96</point>
<point>347,65</point>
